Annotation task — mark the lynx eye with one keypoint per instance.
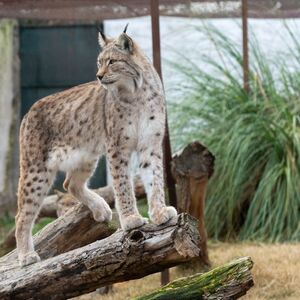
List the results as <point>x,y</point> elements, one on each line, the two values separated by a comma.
<point>111,61</point>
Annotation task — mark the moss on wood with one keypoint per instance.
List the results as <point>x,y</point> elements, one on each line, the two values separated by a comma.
<point>226,282</point>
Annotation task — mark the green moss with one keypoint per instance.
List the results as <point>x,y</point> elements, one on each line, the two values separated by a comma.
<point>195,286</point>
<point>6,36</point>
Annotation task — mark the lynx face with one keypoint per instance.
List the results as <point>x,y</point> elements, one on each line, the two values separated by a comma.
<point>117,68</point>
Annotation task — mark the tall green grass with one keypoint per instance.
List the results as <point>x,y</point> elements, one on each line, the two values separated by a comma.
<point>255,191</point>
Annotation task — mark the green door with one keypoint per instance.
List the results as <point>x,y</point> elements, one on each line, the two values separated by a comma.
<point>54,59</point>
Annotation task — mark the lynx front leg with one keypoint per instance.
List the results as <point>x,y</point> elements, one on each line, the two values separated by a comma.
<point>151,169</point>
<point>122,183</point>
<point>76,184</point>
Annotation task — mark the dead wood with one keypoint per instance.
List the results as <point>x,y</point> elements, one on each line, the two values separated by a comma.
<point>56,205</point>
<point>227,282</point>
<point>75,229</point>
<point>120,257</point>
<point>192,167</point>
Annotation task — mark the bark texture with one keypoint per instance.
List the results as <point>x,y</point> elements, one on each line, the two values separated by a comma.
<point>230,281</point>
<point>120,257</point>
<point>56,205</point>
<point>192,168</point>
<point>75,229</point>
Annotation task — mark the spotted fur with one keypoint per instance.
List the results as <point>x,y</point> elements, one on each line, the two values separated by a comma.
<point>122,113</point>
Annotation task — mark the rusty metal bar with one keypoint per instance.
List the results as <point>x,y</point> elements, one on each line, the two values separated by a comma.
<point>154,7</point>
<point>157,65</point>
<point>245,45</point>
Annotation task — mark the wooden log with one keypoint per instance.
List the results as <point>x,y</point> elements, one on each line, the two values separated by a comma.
<point>120,257</point>
<point>8,243</point>
<point>192,167</point>
<point>56,205</point>
<point>76,229</point>
<point>230,281</point>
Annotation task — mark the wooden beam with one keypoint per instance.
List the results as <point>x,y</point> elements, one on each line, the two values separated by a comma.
<point>97,10</point>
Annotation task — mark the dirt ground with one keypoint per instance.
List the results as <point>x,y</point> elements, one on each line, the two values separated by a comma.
<point>276,272</point>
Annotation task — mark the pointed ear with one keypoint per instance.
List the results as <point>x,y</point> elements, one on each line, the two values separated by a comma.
<point>102,39</point>
<point>124,42</point>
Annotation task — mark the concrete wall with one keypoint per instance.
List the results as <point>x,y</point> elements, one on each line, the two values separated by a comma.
<point>9,113</point>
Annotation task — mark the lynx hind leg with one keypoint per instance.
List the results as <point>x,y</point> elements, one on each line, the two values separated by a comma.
<point>34,184</point>
<point>151,170</point>
<point>76,184</point>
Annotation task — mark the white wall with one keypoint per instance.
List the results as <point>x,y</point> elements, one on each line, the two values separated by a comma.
<point>181,36</point>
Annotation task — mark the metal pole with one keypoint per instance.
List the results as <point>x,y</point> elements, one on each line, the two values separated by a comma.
<point>245,45</point>
<point>154,5</point>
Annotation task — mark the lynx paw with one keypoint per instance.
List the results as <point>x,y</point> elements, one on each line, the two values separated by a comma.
<point>29,258</point>
<point>102,213</point>
<point>133,221</point>
<point>163,215</point>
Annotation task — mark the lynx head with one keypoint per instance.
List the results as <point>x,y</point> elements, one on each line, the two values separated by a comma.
<point>118,67</point>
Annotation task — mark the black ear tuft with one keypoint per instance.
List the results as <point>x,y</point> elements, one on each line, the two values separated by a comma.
<point>125,29</point>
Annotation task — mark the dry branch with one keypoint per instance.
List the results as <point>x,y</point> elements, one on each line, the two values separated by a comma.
<point>120,257</point>
<point>75,229</point>
<point>230,281</point>
<point>56,205</point>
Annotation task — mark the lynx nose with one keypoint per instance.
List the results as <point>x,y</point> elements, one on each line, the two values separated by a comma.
<point>99,77</point>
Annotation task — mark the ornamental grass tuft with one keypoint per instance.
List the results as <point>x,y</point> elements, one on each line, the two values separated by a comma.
<point>255,191</point>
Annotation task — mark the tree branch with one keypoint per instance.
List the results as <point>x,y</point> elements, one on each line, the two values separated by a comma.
<point>75,229</point>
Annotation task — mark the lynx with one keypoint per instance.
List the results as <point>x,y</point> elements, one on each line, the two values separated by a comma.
<point>120,113</point>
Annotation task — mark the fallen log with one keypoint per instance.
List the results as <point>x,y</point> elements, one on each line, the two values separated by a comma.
<point>8,243</point>
<point>230,281</point>
<point>120,257</point>
<point>57,204</point>
<point>75,229</point>
<point>78,228</point>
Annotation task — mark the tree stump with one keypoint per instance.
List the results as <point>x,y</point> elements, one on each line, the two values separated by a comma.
<point>192,167</point>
